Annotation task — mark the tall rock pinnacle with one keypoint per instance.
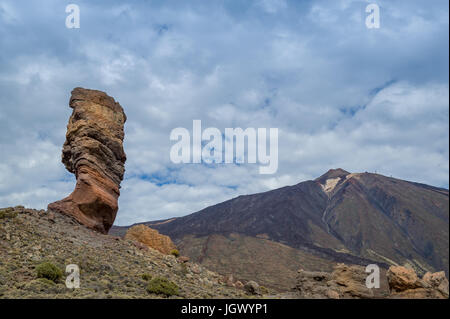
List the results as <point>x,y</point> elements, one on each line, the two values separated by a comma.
<point>93,151</point>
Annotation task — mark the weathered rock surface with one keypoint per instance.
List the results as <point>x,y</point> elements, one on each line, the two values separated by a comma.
<point>404,284</point>
<point>238,284</point>
<point>343,283</point>
<point>151,238</point>
<point>438,281</point>
<point>93,151</point>
<point>350,282</point>
<point>402,278</point>
<point>252,287</point>
<point>183,259</point>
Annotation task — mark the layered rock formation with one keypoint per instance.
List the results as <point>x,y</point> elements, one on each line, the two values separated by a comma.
<point>345,282</point>
<point>350,282</point>
<point>405,284</point>
<point>151,238</point>
<point>93,151</point>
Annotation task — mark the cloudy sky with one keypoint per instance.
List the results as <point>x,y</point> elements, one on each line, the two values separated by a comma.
<point>341,95</point>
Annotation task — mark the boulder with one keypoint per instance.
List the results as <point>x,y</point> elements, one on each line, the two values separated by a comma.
<point>312,284</point>
<point>252,287</point>
<point>351,282</point>
<point>405,284</point>
<point>345,282</point>
<point>402,278</point>
<point>93,151</point>
<point>438,281</point>
<point>150,238</point>
<point>238,284</point>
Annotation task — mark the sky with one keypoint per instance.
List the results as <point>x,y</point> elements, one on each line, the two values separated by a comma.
<point>340,94</point>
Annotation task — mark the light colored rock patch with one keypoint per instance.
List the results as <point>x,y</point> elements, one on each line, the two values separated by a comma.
<point>330,184</point>
<point>356,175</point>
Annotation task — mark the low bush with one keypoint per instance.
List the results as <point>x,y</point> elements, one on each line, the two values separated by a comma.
<point>146,277</point>
<point>162,286</point>
<point>263,290</point>
<point>175,253</point>
<point>49,271</point>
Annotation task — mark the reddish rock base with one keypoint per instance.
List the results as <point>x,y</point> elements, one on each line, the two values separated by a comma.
<point>93,202</point>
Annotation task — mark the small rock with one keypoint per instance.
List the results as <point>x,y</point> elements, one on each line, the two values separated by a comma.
<point>332,294</point>
<point>230,281</point>
<point>252,287</point>
<point>140,246</point>
<point>196,269</point>
<point>183,259</point>
<point>207,282</point>
<point>51,217</point>
<point>239,284</point>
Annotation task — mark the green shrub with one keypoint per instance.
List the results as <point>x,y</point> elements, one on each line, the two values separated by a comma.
<point>162,286</point>
<point>175,252</point>
<point>263,290</point>
<point>146,277</point>
<point>49,271</point>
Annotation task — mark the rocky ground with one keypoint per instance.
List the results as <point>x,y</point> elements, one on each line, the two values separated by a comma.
<point>349,282</point>
<point>110,267</point>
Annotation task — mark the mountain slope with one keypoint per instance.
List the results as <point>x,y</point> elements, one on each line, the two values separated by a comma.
<point>339,217</point>
<point>402,221</point>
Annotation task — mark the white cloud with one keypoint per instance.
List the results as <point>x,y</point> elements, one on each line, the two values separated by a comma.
<point>272,6</point>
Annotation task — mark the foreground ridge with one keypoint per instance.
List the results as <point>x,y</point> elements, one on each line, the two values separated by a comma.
<point>110,267</point>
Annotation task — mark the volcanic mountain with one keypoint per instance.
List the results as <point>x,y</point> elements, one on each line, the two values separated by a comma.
<point>355,218</point>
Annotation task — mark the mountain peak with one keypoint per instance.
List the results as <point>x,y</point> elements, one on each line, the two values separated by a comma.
<point>341,217</point>
<point>332,173</point>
